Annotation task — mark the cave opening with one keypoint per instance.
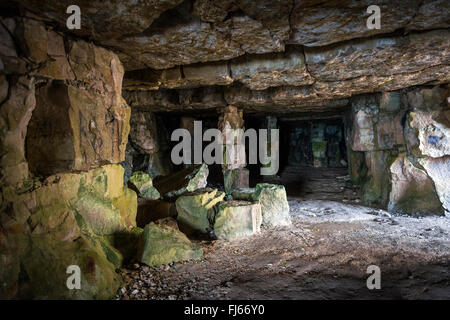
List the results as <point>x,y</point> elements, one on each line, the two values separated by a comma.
<point>312,154</point>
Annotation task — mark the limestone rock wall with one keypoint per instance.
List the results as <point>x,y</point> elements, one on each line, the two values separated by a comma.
<point>63,130</point>
<point>261,55</point>
<point>148,146</point>
<point>301,78</point>
<point>403,136</point>
<point>63,97</point>
<point>161,34</point>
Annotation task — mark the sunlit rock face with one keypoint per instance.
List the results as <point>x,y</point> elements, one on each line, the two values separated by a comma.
<point>64,128</point>
<point>412,189</point>
<point>404,137</point>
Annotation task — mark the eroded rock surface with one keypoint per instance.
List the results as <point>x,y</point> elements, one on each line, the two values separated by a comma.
<point>412,190</point>
<point>196,211</point>
<point>187,180</point>
<point>143,183</point>
<point>274,205</point>
<point>63,129</point>
<point>64,125</point>
<point>70,219</point>
<point>164,244</point>
<point>237,219</point>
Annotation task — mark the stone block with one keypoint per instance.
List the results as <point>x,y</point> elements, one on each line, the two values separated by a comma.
<point>237,219</point>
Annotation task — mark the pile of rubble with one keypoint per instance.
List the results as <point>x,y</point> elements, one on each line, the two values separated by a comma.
<point>176,209</point>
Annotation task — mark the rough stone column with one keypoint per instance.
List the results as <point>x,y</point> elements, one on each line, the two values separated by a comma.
<point>234,171</point>
<point>270,123</point>
<point>319,144</point>
<point>188,124</point>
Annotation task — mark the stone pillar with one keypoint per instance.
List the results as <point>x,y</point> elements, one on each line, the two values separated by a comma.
<point>270,123</point>
<point>188,124</point>
<point>319,145</point>
<point>234,162</point>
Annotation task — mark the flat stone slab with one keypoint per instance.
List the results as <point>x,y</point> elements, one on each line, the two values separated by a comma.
<point>186,180</point>
<point>273,201</point>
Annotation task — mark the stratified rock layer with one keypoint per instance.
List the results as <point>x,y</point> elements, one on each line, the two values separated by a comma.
<point>63,129</point>
<point>329,75</point>
<point>165,33</point>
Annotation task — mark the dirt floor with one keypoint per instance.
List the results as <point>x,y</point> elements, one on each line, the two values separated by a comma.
<point>323,255</point>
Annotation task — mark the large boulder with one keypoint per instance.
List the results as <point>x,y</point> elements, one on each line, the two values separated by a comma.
<point>93,195</point>
<point>68,219</point>
<point>432,135</point>
<point>80,121</point>
<point>237,219</point>
<point>164,243</point>
<point>127,205</point>
<point>142,183</point>
<point>196,210</point>
<point>186,180</point>
<point>45,263</point>
<point>412,190</point>
<point>99,213</point>
<point>439,171</point>
<point>274,204</point>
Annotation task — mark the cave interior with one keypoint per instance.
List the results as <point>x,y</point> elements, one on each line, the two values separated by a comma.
<point>95,98</point>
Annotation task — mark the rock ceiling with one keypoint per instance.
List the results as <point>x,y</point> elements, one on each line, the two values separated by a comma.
<point>262,55</point>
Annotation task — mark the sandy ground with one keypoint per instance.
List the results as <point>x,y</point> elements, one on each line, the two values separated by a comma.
<point>323,255</point>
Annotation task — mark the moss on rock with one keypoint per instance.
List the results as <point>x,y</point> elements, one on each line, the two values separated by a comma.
<point>143,184</point>
<point>162,244</point>
<point>196,210</point>
<point>237,219</point>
